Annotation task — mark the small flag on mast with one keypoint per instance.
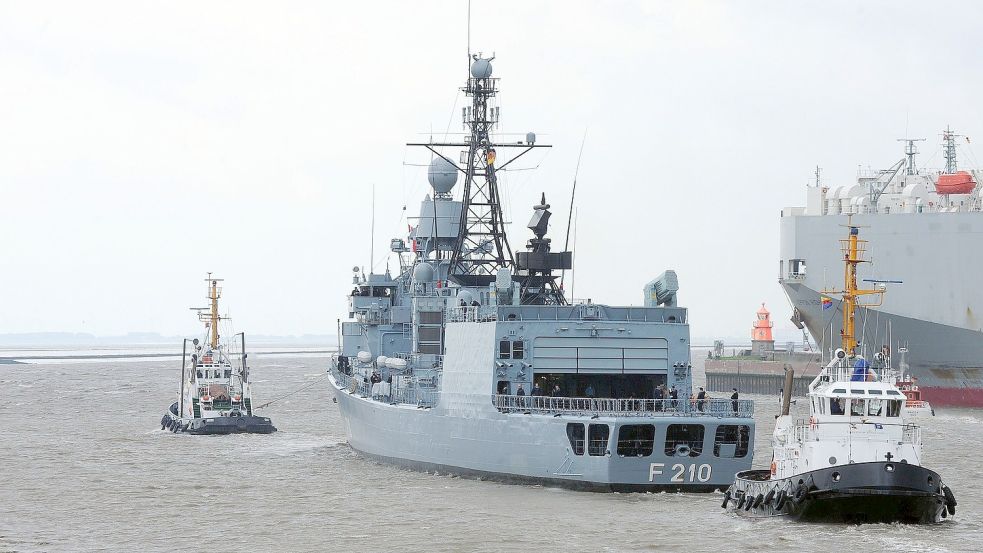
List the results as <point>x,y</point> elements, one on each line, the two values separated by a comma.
<point>827,302</point>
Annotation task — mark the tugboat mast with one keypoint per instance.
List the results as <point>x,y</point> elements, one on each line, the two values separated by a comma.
<point>212,318</point>
<point>853,249</point>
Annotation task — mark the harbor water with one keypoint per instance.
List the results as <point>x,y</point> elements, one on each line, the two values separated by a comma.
<point>84,466</point>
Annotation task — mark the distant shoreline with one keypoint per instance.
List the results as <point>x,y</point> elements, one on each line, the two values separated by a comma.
<point>19,360</point>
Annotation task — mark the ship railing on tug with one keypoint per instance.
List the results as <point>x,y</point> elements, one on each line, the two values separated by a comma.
<point>832,374</point>
<point>719,408</point>
<point>809,432</point>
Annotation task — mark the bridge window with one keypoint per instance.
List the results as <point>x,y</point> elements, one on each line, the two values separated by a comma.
<point>731,440</point>
<point>598,444</point>
<point>893,393</point>
<point>894,407</point>
<point>636,440</point>
<point>575,433</point>
<point>684,440</point>
<point>504,349</point>
<point>874,407</point>
<point>836,406</point>
<point>856,407</point>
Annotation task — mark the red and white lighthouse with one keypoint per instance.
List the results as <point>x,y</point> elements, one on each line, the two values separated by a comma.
<point>761,340</point>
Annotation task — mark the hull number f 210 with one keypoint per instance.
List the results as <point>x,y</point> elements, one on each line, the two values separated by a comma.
<point>681,472</point>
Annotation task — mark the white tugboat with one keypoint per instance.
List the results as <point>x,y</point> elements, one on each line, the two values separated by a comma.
<point>856,459</point>
<point>215,396</point>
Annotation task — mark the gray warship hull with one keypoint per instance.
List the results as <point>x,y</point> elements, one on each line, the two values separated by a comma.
<point>529,440</point>
<point>934,309</point>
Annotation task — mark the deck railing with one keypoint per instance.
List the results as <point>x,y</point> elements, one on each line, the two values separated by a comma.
<point>624,407</point>
<point>910,433</point>
<point>411,393</point>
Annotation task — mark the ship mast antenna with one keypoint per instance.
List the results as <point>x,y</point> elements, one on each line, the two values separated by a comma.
<point>949,147</point>
<point>209,315</point>
<point>910,151</point>
<point>573,194</point>
<point>481,248</point>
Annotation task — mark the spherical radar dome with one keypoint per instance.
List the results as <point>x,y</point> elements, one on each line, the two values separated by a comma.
<point>481,68</point>
<point>442,175</point>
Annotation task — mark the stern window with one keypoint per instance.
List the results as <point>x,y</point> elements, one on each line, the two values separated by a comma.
<point>598,444</point>
<point>731,440</point>
<point>684,440</point>
<point>636,440</point>
<point>504,349</point>
<point>518,349</point>
<point>575,433</point>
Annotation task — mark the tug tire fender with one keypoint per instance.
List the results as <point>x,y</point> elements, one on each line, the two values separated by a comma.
<point>800,493</point>
<point>726,500</point>
<point>769,496</point>
<point>780,500</point>
<point>757,500</point>
<point>950,500</point>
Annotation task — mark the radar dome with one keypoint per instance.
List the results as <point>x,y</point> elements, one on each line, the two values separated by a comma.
<point>442,175</point>
<point>423,272</point>
<point>481,68</point>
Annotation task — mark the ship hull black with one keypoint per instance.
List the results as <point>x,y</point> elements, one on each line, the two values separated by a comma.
<point>245,424</point>
<point>879,492</point>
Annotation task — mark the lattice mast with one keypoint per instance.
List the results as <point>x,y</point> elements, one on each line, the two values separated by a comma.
<point>482,247</point>
<point>853,249</point>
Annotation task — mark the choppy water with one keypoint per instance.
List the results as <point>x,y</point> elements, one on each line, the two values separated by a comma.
<point>85,466</point>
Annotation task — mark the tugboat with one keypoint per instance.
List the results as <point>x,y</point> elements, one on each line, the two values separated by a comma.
<point>856,460</point>
<point>474,361</point>
<point>215,395</point>
<point>914,405</point>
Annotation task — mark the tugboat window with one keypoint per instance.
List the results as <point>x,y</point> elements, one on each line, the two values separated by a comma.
<point>598,444</point>
<point>575,433</point>
<point>856,407</point>
<point>894,407</point>
<point>836,406</point>
<point>684,439</point>
<point>874,407</point>
<point>504,349</point>
<point>731,440</point>
<point>517,349</point>
<point>636,440</point>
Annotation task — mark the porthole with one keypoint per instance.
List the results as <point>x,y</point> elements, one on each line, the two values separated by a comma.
<point>889,467</point>
<point>832,460</point>
<point>836,477</point>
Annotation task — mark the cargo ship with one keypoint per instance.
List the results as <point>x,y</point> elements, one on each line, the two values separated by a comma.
<point>927,229</point>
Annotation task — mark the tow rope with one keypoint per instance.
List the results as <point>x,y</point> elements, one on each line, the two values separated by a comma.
<point>304,387</point>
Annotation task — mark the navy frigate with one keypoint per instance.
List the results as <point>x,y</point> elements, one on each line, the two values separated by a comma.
<point>473,361</point>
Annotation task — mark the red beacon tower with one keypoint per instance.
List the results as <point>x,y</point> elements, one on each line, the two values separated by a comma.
<point>762,341</point>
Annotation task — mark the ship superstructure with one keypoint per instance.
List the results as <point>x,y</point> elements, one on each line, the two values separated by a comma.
<point>927,225</point>
<point>215,395</point>
<point>472,360</point>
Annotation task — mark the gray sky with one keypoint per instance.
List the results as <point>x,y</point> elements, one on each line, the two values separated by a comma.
<point>145,143</point>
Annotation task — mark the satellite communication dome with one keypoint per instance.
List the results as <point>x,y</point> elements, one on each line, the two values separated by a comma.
<point>423,272</point>
<point>481,68</point>
<point>442,175</point>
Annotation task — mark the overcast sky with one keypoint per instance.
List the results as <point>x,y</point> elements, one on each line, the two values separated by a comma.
<point>145,143</point>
